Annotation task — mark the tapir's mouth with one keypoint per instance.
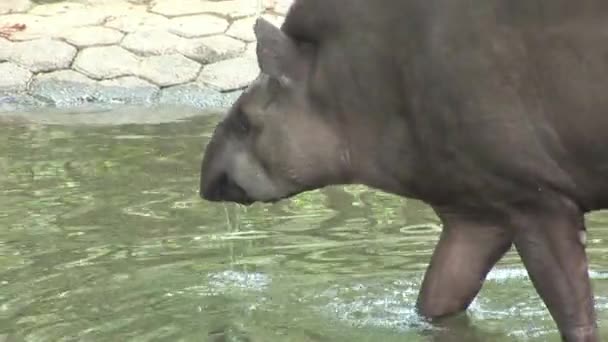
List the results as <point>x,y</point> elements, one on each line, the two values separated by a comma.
<point>278,199</point>
<point>224,189</point>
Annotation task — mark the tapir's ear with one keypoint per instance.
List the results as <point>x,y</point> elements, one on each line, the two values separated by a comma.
<point>278,55</point>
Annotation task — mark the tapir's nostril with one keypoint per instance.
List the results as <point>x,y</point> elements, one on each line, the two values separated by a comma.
<point>212,190</point>
<point>223,188</point>
<point>220,184</point>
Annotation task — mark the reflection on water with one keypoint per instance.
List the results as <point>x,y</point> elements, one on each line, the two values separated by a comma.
<point>103,237</point>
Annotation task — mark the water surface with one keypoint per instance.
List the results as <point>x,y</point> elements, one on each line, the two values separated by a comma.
<point>104,238</point>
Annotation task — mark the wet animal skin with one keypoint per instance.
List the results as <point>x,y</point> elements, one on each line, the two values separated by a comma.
<point>493,112</point>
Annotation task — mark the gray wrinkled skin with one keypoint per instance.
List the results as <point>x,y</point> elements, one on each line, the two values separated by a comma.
<point>262,156</point>
<point>494,112</point>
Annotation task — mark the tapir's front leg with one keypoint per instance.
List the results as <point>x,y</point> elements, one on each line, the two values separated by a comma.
<point>551,243</point>
<point>467,250</point>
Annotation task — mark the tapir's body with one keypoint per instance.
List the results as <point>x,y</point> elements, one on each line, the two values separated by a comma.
<point>495,112</point>
<point>484,101</point>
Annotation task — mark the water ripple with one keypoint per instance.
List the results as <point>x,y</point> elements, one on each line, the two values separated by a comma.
<point>105,238</point>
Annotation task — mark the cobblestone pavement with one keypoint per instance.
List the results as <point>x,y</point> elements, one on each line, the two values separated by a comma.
<point>187,52</point>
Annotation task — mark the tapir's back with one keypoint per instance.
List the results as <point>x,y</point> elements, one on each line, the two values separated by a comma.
<point>563,85</point>
<point>571,63</point>
<point>526,82</point>
<point>516,88</point>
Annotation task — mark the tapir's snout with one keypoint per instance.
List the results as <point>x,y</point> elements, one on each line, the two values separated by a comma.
<point>216,182</point>
<point>219,187</point>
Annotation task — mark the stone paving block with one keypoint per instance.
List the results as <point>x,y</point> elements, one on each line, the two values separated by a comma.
<point>138,21</point>
<point>113,3</point>
<point>168,70</point>
<point>171,8</point>
<point>276,20</point>
<point>76,18</point>
<point>42,54</point>
<point>196,95</point>
<point>269,4</point>
<point>152,42</point>
<point>105,7</point>
<point>282,6</point>
<point>64,88</point>
<point>127,89</point>
<point>250,51</point>
<point>127,82</point>
<point>35,26</point>
<point>230,74</point>
<point>195,29</point>
<point>197,25</point>
<point>227,8</point>
<point>211,49</point>
<point>64,76</point>
<point>55,8</point>
<point>243,29</point>
<point>91,36</point>
<point>233,9</point>
<point>5,49</point>
<point>69,88</point>
<point>14,6</point>
<point>14,78</point>
<point>51,26</point>
<point>106,62</point>
<point>115,8</point>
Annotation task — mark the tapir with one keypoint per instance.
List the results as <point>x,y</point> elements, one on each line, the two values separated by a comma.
<point>492,112</point>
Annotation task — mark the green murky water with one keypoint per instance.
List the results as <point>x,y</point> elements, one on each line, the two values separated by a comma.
<point>103,238</point>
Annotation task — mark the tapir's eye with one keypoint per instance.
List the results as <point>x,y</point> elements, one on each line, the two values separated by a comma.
<point>241,122</point>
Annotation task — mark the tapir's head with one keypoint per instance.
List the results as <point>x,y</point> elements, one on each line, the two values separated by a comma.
<point>275,141</point>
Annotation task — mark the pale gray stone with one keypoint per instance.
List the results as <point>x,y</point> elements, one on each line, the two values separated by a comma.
<point>141,21</point>
<point>14,6</point>
<point>126,90</point>
<point>35,26</point>
<point>5,49</point>
<point>168,70</point>
<point>282,6</point>
<point>243,29</point>
<point>111,8</point>
<point>212,49</point>
<point>52,26</point>
<point>196,95</point>
<point>64,76</point>
<point>13,78</point>
<point>127,82</point>
<point>227,8</point>
<point>69,88</point>
<point>276,20</point>
<point>233,9</point>
<point>42,54</point>
<point>269,4</point>
<point>106,62</point>
<point>152,42</point>
<point>112,3</point>
<point>57,8</point>
<point>197,25</point>
<point>92,36</point>
<point>230,74</point>
<point>171,8</point>
<point>76,18</point>
<point>250,51</point>
<point>64,88</point>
